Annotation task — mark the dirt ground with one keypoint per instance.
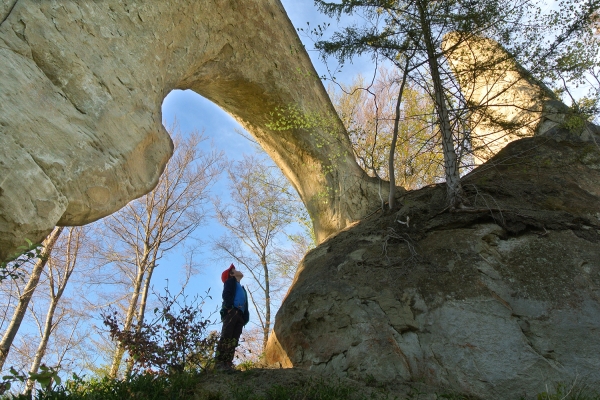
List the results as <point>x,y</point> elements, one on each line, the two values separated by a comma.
<point>267,383</point>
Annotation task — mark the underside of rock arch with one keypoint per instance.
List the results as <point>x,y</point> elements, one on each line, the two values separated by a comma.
<point>82,86</point>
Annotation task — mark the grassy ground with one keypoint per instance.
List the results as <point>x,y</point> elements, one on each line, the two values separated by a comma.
<point>266,384</point>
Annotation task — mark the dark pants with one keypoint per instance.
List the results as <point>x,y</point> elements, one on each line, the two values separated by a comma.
<point>230,336</point>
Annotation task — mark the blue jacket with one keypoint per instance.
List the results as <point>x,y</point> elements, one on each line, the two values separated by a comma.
<point>229,292</point>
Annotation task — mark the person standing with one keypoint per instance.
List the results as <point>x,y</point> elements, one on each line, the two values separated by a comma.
<point>234,315</point>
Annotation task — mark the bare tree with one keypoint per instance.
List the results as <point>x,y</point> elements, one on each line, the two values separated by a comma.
<point>61,265</point>
<point>376,112</point>
<point>410,34</point>
<point>26,295</point>
<point>262,206</point>
<point>144,230</point>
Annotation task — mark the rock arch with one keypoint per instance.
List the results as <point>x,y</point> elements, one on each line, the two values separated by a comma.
<point>82,86</point>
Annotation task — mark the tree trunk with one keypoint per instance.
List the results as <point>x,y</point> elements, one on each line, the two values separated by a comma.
<point>142,308</point>
<point>267,326</point>
<point>55,296</point>
<point>133,302</point>
<point>143,301</point>
<point>391,169</point>
<point>41,350</point>
<point>453,186</point>
<point>25,297</point>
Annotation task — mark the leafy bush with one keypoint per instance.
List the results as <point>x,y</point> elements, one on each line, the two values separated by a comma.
<point>47,377</point>
<point>149,386</point>
<point>176,340</point>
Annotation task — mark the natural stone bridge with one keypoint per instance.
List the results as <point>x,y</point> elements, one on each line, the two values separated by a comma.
<point>82,85</point>
<point>479,301</point>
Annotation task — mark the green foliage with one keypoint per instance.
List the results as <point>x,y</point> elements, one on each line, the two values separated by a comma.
<point>46,378</point>
<point>8,380</point>
<point>185,385</point>
<point>291,117</point>
<point>324,129</point>
<point>453,396</point>
<point>188,384</point>
<point>147,386</point>
<point>10,268</point>
<point>580,114</point>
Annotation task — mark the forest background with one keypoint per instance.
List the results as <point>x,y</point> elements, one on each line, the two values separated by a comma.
<point>112,261</point>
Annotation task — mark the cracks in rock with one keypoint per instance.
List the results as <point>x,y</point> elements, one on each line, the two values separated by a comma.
<point>500,300</point>
<point>525,329</point>
<point>328,361</point>
<point>11,8</point>
<point>57,85</point>
<point>517,224</point>
<point>440,364</point>
<point>58,191</point>
<point>41,67</point>
<point>70,101</point>
<point>131,89</point>
<point>408,328</point>
<point>401,353</point>
<point>102,84</point>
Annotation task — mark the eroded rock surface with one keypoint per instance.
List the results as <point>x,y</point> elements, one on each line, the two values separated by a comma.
<point>81,88</point>
<point>496,301</point>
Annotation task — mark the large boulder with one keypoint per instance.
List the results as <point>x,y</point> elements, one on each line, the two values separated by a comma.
<point>81,88</point>
<point>500,300</point>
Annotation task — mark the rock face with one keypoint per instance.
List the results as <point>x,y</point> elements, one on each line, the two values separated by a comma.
<point>506,102</point>
<point>81,88</point>
<point>496,301</point>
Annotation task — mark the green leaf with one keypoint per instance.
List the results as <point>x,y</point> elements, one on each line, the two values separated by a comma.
<point>44,381</point>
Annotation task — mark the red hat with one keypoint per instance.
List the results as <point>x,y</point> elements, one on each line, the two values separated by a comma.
<point>225,274</point>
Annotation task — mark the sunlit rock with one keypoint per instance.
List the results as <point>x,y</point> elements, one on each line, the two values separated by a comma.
<point>82,85</point>
<point>506,102</point>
